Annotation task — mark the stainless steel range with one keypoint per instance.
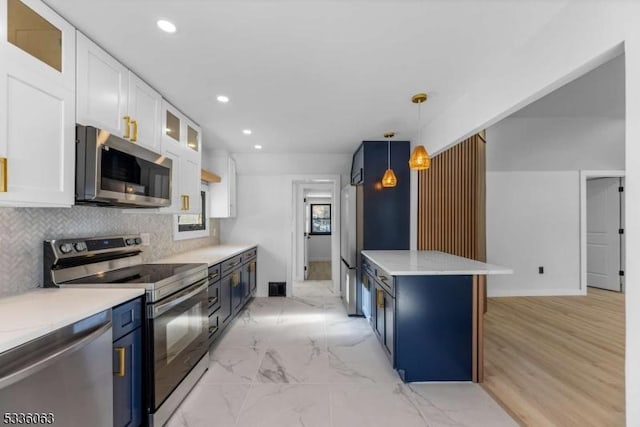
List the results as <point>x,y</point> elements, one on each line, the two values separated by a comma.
<point>176,324</point>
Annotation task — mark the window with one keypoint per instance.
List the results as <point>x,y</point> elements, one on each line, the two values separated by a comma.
<point>320,219</point>
<point>194,222</point>
<point>193,226</point>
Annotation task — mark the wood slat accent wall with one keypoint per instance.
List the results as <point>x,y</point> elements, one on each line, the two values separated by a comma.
<point>451,201</point>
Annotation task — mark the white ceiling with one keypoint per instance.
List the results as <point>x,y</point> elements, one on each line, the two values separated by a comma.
<point>308,75</point>
<point>599,93</point>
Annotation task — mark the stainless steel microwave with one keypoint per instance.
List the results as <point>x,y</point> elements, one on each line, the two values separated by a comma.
<point>111,171</point>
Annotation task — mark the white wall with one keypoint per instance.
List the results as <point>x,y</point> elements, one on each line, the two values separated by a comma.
<point>533,190</point>
<point>533,219</point>
<point>556,143</point>
<point>262,220</point>
<point>582,36</point>
<point>319,247</point>
<point>264,201</point>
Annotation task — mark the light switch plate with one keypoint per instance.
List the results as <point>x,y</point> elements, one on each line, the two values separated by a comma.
<point>146,239</point>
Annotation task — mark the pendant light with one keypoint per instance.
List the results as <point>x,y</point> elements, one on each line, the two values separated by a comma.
<point>389,178</point>
<point>419,159</point>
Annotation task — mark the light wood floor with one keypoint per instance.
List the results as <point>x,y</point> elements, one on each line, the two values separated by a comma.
<point>557,361</point>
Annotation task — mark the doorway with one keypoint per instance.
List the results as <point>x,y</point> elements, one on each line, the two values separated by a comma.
<point>602,243</point>
<point>605,232</point>
<point>318,212</point>
<point>315,236</point>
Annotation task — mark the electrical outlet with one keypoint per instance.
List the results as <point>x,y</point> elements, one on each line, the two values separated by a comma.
<point>146,239</point>
<point>541,270</point>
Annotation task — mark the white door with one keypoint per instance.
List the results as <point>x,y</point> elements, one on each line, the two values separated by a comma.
<point>102,89</point>
<point>37,106</point>
<point>145,111</point>
<point>603,236</point>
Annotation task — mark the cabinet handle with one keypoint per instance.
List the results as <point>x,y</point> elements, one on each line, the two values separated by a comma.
<point>121,355</point>
<point>127,127</point>
<point>134,138</point>
<point>383,279</point>
<point>3,175</point>
<point>235,279</point>
<point>380,298</point>
<point>213,330</point>
<point>252,267</point>
<point>188,203</point>
<point>185,202</point>
<point>365,281</point>
<point>212,276</point>
<point>213,300</point>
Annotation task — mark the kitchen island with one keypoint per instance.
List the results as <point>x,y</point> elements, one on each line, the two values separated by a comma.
<point>427,310</point>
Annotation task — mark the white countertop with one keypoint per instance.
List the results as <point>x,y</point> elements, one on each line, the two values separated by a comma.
<point>211,255</point>
<point>33,314</point>
<point>416,263</point>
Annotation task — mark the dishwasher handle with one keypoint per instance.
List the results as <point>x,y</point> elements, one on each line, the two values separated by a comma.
<point>51,358</point>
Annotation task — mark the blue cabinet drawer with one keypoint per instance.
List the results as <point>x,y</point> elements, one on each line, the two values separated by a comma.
<point>126,317</point>
<point>214,296</point>
<point>231,265</point>
<point>249,255</point>
<point>214,273</point>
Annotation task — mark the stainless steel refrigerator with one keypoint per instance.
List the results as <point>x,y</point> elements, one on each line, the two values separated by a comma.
<point>349,288</point>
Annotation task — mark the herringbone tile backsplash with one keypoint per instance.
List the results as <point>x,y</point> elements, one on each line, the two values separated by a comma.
<point>22,231</point>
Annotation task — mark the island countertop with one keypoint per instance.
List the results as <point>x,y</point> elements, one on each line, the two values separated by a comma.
<point>422,263</point>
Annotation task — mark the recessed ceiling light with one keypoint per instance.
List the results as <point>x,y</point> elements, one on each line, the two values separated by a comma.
<point>222,98</point>
<point>258,147</point>
<point>247,131</point>
<point>166,26</point>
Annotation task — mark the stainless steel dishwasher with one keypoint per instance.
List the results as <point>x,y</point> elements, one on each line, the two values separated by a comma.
<point>63,378</point>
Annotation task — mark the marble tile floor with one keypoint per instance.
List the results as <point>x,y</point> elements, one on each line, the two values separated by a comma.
<point>302,361</point>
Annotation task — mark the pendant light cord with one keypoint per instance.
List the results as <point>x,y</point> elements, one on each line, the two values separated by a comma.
<point>388,152</point>
<point>419,123</point>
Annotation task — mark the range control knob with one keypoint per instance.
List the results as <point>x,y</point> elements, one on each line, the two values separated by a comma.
<point>129,242</point>
<point>138,240</point>
<point>80,246</point>
<point>66,248</point>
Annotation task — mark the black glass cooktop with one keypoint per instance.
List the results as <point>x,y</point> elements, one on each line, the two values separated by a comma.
<point>143,273</point>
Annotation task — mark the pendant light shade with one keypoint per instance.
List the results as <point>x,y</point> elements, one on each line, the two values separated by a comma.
<point>419,159</point>
<point>389,178</point>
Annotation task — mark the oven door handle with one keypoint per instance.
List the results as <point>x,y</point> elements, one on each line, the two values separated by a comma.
<point>178,298</point>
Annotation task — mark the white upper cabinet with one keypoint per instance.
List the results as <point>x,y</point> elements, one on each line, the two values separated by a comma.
<point>223,194</point>
<point>144,109</point>
<point>102,89</point>
<point>111,97</point>
<point>37,106</point>
<point>181,141</point>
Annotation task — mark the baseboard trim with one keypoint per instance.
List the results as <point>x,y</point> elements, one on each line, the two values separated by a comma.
<point>503,293</point>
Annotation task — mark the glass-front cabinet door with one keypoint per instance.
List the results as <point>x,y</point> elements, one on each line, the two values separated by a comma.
<point>37,108</point>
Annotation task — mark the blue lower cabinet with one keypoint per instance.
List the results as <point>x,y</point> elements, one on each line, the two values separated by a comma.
<point>433,328</point>
<point>127,380</point>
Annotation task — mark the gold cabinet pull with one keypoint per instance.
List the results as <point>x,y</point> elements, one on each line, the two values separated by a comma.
<point>185,202</point>
<point>188,203</point>
<point>235,279</point>
<point>127,127</point>
<point>134,138</point>
<point>380,298</point>
<point>121,363</point>
<point>4,185</point>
